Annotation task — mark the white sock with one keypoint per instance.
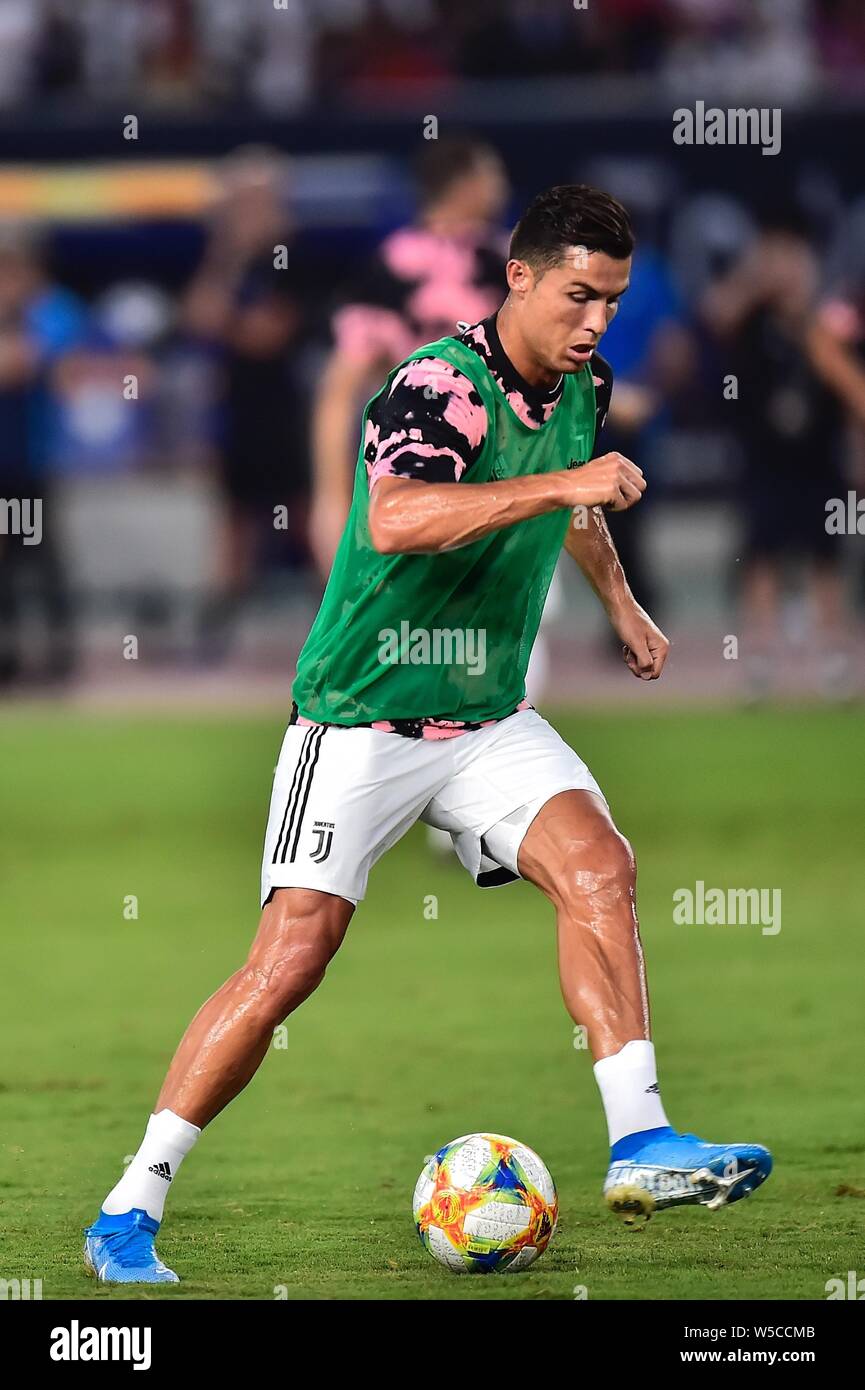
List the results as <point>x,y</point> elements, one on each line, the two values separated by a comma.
<point>167,1141</point>
<point>628,1083</point>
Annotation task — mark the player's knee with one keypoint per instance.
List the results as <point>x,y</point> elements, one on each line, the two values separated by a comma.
<point>289,959</point>
<point>601,868</point>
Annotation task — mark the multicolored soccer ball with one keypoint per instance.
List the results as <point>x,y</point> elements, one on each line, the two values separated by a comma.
<point>485,1203</point>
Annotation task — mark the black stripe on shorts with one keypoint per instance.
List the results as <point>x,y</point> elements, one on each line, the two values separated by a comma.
<point>293,790</point>
<point>298,795</point>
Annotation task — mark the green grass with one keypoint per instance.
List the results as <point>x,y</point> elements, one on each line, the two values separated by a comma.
<point>426,1029</point>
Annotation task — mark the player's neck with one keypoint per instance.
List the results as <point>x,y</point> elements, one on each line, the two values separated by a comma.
<point>518,353</point>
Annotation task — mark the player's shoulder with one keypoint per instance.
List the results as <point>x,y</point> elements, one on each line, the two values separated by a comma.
<point>432,373</point>
<point>431,399</point>
<point>429,424</point>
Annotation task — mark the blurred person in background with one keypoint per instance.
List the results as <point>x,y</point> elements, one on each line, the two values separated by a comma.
<point>244,303</point>
<point>795,384</point>
<point>96,430</point>
<point>448,266</point>
<point>39,323</point>
<point>836,344</point>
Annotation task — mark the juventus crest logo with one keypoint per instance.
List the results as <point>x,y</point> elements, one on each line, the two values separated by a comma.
<point>323,830</point>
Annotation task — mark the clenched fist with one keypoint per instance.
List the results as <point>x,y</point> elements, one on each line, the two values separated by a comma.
<point>611,481</point>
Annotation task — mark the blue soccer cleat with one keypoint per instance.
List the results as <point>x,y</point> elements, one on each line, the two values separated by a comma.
<point>659,1168</point>
<point>120,1250</point>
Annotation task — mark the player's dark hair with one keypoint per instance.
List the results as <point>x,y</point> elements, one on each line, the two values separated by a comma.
<point>441,162</point>
<point>571,214</point>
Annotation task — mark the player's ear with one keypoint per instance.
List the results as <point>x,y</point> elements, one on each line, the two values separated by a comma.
<point>521,277</point>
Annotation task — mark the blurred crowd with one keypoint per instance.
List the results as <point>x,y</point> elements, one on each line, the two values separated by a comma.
<point>286,55</point>
<point>245,375</point>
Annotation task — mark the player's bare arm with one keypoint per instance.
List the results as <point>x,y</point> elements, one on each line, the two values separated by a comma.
<point>410,517</point>
<point>592,546</point>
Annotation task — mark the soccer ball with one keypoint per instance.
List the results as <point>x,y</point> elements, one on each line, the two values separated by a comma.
<point>485,1203</point>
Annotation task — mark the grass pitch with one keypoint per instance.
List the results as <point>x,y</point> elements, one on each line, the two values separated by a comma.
<point>427,1028</point>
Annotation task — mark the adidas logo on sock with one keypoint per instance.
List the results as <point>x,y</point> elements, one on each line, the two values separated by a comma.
<point>653,1087</point>
<point>162,1170</point>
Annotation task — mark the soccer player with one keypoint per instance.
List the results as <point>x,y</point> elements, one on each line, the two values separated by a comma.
<point>475,466</point>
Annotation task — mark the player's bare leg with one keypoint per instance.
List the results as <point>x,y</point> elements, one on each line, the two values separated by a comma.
<point>299,933</point>
<point>573,852</point>
<point>224,1045</point>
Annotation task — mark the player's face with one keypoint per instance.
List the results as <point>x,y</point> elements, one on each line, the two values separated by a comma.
<point>565,311</point>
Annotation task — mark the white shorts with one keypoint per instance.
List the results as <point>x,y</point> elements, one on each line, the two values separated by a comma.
<point>342,797</point>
